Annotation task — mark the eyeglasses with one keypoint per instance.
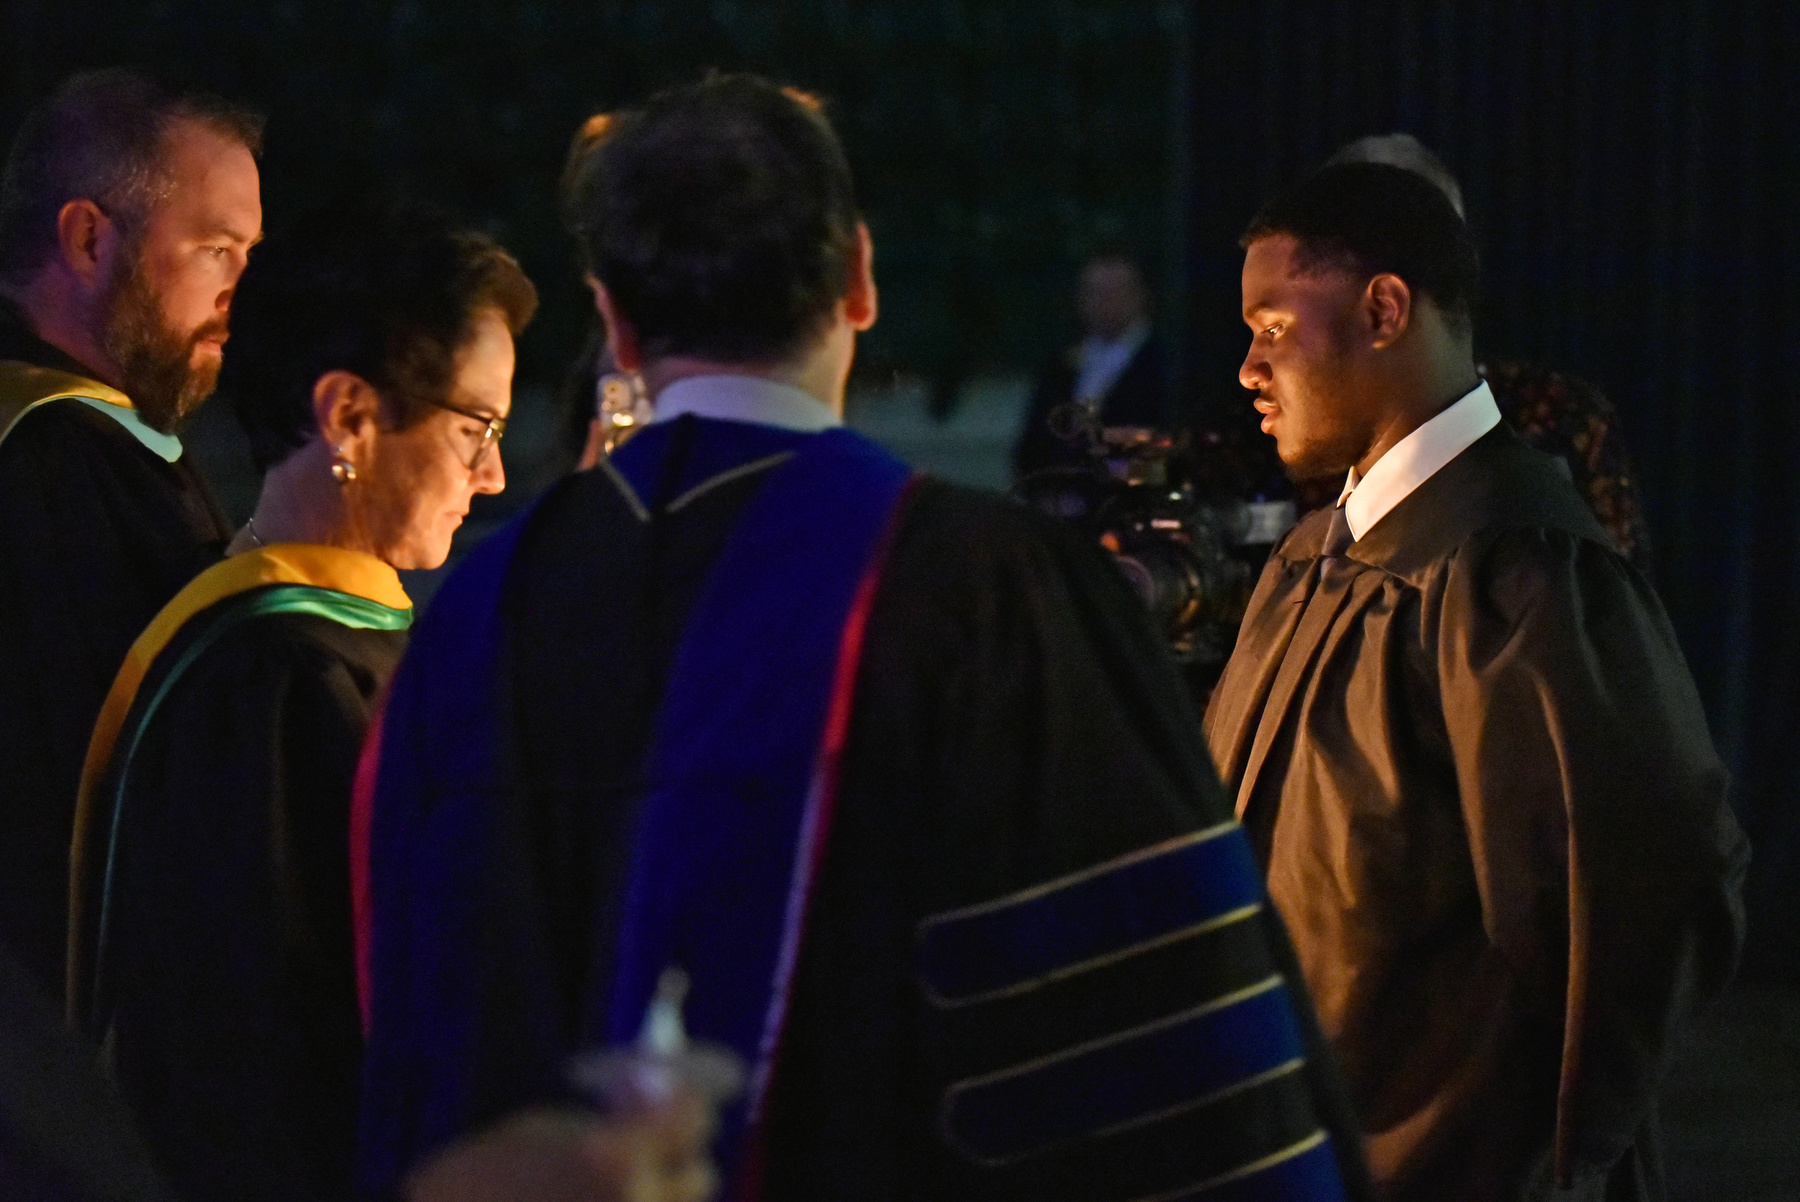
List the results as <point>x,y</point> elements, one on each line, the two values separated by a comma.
<point>492,429</point>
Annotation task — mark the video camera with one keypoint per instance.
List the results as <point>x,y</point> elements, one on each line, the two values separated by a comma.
<point>1186,544</point>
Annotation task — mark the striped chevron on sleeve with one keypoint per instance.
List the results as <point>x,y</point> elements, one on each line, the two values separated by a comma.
<point>1125,1024</point>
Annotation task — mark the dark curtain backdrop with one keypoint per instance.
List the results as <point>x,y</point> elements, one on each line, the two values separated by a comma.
<point>1630,170</point>
<point>993,140</point>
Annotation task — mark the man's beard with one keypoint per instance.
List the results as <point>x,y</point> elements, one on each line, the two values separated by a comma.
<point>155,364</point>
<point>1320,457</point>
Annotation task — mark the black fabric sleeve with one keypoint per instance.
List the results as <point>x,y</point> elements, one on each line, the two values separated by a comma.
<point>1610,866</point>
<point>1021,735</point>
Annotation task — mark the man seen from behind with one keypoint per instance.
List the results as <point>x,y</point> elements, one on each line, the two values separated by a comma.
<point>895,773</point>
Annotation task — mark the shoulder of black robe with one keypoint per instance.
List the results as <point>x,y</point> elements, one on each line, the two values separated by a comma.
<point>1570,418</point>
<point>1499,483</point>
<point>231,984</point>
<point>97,533</point>
<point>1016,722</point>
<point>1595,800</point>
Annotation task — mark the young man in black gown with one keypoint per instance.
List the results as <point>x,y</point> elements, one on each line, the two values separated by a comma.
<point>1462,734</point>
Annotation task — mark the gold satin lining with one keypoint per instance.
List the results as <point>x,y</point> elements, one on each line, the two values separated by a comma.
<point>334,568</point>
<point>25,386</point>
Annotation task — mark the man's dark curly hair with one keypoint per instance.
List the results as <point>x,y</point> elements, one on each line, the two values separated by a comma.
<point>720,217</point>
<point>389,291</point>
<point>1373,219</point>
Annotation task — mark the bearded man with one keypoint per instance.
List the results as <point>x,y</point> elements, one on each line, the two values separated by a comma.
<point>1461,734</point>
<point>126,216</point>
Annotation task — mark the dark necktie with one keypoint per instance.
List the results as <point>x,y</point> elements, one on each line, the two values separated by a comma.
<point>1337,540</point>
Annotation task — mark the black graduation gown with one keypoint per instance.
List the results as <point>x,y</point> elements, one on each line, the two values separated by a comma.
<point>231,979</point>
<point>1016,721</point>
<point>1478,771</point>
<point>97,532</point>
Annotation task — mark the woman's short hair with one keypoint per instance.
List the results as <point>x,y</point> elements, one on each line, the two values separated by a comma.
<point>720,217</point>
<point>388,291</point>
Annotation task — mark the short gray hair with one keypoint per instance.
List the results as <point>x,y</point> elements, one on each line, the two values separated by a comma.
<point>1406,152</point>
<point>100,136</point>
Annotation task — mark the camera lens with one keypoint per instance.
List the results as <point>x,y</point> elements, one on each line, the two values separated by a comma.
<point>1168,578</point>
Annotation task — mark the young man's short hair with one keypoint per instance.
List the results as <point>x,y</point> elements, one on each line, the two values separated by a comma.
<point>721,218</point>
<point>99,137</point>
<point>1403,150</point>
<point>1373,219</point>
<point>388,291</point>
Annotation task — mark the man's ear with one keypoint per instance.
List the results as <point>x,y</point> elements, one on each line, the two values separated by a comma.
<point>86,237</point>
<point>859,297</point>
<point>347,411</point>
<point>621,335</point>
<point>1387,306</point>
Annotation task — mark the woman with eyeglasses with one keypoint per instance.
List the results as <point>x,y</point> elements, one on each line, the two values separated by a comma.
<point>370,362</point>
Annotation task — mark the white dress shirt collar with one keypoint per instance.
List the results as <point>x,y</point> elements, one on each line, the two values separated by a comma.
<point>1416,458</point>
<point>753,399</point>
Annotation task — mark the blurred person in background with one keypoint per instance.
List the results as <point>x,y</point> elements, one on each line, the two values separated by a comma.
<point>601,405</point>
<point>899,773</point>
<point>1115,371</point>
<point>127,213</point>
<point>371,367</point>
